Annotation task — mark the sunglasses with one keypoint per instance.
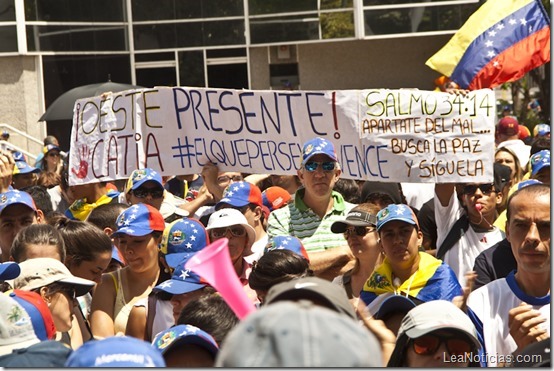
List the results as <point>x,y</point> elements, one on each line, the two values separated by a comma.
<point>227,179</point>
<point>236,231</point>
<point>69,291</point>
<point>327,166</point>
<point>485,188</point>
<point>359,231</point>
<point>143,192</point>
<point>428,344</point>
<point>54,154</point>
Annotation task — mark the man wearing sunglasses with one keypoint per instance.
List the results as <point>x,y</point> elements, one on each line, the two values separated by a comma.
<point>314,207</point>
<point>478,207</point>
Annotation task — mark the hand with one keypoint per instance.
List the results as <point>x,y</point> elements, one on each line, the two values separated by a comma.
<point>461,300</point>
<point>7,164</point>
<point>525,325</point>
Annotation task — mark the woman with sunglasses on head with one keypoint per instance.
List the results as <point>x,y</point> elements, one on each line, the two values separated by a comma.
<point>51,279</point>
<point>436,334</point>
<point>360,231</point>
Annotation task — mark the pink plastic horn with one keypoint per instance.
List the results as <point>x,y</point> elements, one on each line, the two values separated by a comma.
<point>213,263</point>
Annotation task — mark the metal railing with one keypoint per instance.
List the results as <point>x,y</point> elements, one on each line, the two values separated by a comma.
<point>8,145</point>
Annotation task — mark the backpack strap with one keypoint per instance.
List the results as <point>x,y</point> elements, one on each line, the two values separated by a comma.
<point>150,314</point>
<point>456,232</point>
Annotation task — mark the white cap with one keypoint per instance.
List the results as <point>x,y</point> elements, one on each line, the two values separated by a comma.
<point>227,217</point>
<point>16,328</point>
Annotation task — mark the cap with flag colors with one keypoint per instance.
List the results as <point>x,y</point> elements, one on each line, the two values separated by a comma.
<point>500,42</point>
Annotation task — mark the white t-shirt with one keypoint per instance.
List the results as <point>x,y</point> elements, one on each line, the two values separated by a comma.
<point>257,249</point>
<point>163,319</point>
<point>461,257</point>
<point>488,308</point>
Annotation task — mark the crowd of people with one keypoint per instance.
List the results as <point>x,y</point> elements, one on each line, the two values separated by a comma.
<point>336,272</point>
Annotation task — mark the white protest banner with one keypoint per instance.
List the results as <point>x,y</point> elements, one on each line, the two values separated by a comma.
<point>405,135</point>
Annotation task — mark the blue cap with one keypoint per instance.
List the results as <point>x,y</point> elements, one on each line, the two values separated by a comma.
<point>183,280</point>
<point>394,303</point>
<point>541,130</point>
<point>318,146</point>
<point>140,176</point>
<point>393,212</point>
<point>539,161</point>
<point>21,165</point>
<point>287,243</point>
<point>50,147</point>
<point>116,255</point>
<point>9,271</point>
<point>182,237</point>
<point>185,334</point>
<point>16,197</point>
<point>116,351</point>
<point>239,194</point>
<point>139,220</point>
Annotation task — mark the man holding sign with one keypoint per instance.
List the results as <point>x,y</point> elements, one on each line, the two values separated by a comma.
<point>315,206</point>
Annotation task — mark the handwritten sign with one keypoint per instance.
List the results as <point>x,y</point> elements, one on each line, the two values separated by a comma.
<point>380,135</point>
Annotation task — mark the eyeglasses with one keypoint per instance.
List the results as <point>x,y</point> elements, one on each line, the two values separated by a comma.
<point>54,154</point>
<point>485,188</point>
<point>312,166</point>
<point>227,179</point>
<point>359,231</point>
<point>428,344</point>
<point>143,192</point>
<point>236,231</point>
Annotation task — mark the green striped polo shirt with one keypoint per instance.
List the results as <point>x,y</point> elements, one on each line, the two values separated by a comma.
<point>297,219</point>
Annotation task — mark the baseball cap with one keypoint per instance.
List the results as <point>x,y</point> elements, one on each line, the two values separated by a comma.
<point>356,218</point>
<point>541,130</point>
<point>9,271</point>
<point>47,353</point>
<point>239,194</point>
<point>399,212</point>
<point>38,311</point>
<point>185,334</point>
<point>317,289</point>
<point>183,236</point>
<point>16,328</point>
<point>523,132</point>
<point>318,146</point>
<point>275,197</point>
<point>139,220</point>
<point>182,280</point>
<point>299,334</point>
<point>116,255</point>
<point>428,317</point>
<point>16,197</point>
<point>116,351</point>
<point>39,272</point>
<point>50,147</point>
<point>394,303</point>
<point>508,126</point>
<point>539,161</point>
<point>287,243</point>
<point>21,165</point>
<point>228,217</point>
<point>140,176</point>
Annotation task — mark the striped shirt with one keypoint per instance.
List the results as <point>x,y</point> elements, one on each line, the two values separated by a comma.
<point>297,219</point>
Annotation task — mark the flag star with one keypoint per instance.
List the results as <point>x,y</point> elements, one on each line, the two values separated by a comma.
<point>129,230</point>
<point>490,54</point>
<point>195,231</point>
<point>523,21</point>
<point>512,21</point>
<point>280,247</point>
<point>127,222</point>
<point>193,238</point>
<point>133,216</point>
<point>488,43</point>
<point>188,245</point>
<point>165,284</point>
<point>236,188</point>
<point>496,64</point>
<point>500,26</point>
<point>184,274</point>
<point>13,199</point>
<point>530,29</point>
<point>285,242</point>
<point>492,33</point>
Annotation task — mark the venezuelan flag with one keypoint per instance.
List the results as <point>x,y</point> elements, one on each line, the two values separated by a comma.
<point>433,280</point>
<point>500,42</point>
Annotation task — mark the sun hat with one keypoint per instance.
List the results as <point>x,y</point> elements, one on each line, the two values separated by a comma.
<point>139,220</point>
<point>181,237</point>
<point>227,217</point>
<point>116,351</point>
<point>16,328</point>
<point>178,335</point>
<point>14,197</point>
<point>318,146</point>
<point>39,272</point>
<point>240,194</point>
